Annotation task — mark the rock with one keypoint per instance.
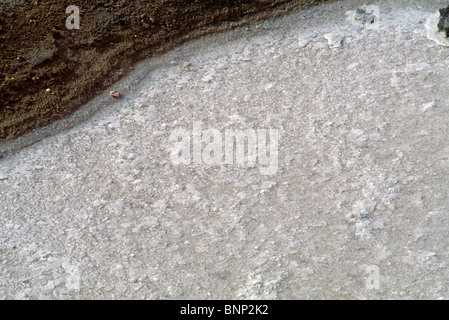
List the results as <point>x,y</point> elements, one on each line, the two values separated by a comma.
<point>115,94</point>
<point>443,24</point>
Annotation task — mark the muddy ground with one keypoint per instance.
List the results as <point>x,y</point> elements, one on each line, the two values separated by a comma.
<point>48,71</point>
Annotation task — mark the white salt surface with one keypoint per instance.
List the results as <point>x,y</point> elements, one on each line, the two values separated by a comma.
<point>357,208</point>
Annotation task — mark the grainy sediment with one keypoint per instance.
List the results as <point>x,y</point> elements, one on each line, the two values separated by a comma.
<point>38,52</point>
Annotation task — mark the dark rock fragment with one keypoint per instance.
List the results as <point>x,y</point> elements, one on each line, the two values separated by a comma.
<point>443,24</point>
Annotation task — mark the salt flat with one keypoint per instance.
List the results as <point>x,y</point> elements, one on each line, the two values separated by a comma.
<point>358,206</point>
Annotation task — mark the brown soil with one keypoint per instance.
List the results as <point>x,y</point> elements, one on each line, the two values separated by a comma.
<point>48,71</point>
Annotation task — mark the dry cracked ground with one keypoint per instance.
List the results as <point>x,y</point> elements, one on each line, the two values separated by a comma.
<point>356,206</point>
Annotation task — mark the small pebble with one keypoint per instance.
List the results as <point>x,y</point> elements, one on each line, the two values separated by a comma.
<point>115,94</point>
